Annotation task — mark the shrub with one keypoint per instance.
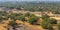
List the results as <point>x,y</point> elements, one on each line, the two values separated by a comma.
<point>1,18</point>
<point>22,18</point>
<point>33,20</point>
<point>13,23</point>
<point>27,14</point>
<point>45,24</point>
<point>3,13</point>
<point>53,21</point>
<point>50,27</point>
<point>14,16</point>
<point>45,16</point>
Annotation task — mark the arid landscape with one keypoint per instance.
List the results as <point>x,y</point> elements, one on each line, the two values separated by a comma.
<point>4,24</point>
<point>29,15</point>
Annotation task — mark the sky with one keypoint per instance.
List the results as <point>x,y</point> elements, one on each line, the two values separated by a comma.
<point>30,0</point>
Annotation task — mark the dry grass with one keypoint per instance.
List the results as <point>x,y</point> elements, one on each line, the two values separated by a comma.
<point>34,27</point>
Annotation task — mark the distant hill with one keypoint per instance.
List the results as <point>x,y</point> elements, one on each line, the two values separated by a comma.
<point>32,5</point>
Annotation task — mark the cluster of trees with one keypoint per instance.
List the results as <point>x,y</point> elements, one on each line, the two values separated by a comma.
<point>18,16</point>
<point>53,7</point>
<point>48,22</point>
<point>32,19</point>
<point>3,15</point>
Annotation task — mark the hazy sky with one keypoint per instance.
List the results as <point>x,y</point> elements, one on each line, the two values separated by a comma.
<point>30,0</point>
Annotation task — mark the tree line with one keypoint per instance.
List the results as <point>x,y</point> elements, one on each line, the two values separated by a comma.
<point>41,7</point>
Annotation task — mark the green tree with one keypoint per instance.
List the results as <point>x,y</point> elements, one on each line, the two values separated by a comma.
<point>45,16</point>
<point>53,21</point>
<point>32,15</point>
<point>3,13</point>
<point>12,23</point>
<point>41,9</point>
<point>56,12</point>
<point>1,18</point>
<point>33,20</point>
<point>27,14</point>
<point>22,18</point>
<point>50,27</point>
<point>14,16</point>
<point>32,9</point>
<point>45,24</point>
